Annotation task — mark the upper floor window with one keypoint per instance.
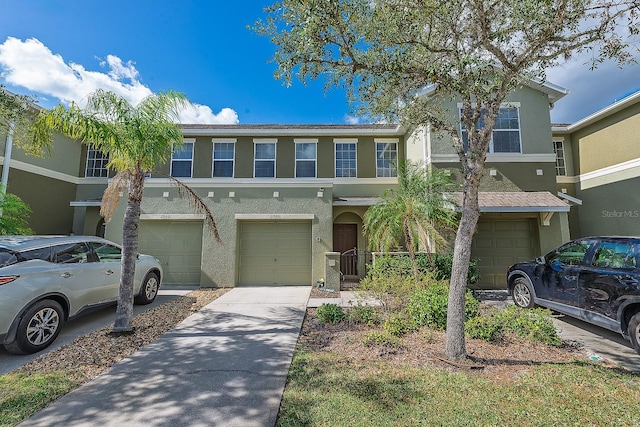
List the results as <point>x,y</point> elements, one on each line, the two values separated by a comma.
<point>223,159</point>
<point>506,131</point>
<point>96,163</point>
<point>306,159</point>
<point>558,148</point>
<point>264,163</point>
<point>182,161</point>
<point>386,159</point>
<point>345,159</point>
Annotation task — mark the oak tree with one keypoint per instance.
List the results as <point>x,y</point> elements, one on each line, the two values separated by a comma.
<point>397,58</point>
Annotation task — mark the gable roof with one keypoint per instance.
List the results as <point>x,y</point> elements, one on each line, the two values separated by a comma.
<point>553,91</point>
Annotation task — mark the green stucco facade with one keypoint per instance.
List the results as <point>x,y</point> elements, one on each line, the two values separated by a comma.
<point>602,155</point>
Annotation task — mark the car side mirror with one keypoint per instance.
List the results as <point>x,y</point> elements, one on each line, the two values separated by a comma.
<point>541,260</point>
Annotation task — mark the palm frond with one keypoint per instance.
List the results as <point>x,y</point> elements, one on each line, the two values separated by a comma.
<point>112,194</point>
<point>198,204</point>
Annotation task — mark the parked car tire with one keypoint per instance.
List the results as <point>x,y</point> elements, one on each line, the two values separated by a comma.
<point>148,289</point>
<point>38,328</point>
<point>522,294</point>
<point>634,331</point>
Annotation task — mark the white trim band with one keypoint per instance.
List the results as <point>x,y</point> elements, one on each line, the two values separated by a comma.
<point>262,217</point>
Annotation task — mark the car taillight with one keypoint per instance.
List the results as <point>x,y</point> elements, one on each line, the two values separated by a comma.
<point>7,279</point>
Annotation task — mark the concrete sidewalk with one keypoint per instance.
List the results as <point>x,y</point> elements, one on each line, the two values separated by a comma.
<point>226,365</point>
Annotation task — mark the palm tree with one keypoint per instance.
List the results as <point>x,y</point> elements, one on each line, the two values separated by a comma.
<point>413,214</point>
<point>137,139</point>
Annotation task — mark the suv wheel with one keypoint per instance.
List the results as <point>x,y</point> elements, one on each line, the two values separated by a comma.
<point>634,331</point>
<point>148,290</point>
<point>522,294</point>
<point>38,328</point>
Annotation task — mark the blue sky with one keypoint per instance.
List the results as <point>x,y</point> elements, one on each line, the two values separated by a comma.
<point>63,50</point>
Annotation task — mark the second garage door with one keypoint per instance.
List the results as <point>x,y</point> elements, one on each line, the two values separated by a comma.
<point>274,253</point>
<point>178,247</point>
<point>498,244</point>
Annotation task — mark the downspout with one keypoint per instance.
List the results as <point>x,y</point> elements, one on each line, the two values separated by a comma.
<point>426,156</point>
<point>6,165</point>
<point>426,148</point>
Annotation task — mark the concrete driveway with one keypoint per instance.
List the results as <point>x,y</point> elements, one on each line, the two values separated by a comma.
<point>82,326</point>
<point>600,344</point>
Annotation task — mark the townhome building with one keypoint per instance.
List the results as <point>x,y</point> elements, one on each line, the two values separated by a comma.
<point>598,169</point>
<point>521,214</point>
<point>289,200</point>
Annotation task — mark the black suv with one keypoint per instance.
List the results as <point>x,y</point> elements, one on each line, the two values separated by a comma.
<point>594,279</point>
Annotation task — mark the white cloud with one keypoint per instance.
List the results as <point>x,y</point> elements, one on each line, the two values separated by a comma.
<point>203,114</point>
<point>32,65</point>
<point>591,90</point>
<point>353,120</point>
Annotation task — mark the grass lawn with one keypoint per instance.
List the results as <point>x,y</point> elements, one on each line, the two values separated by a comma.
<point>325,389</point>
<point>23,394</point>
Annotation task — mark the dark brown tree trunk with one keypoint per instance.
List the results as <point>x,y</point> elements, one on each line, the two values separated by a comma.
<point>124,312</point>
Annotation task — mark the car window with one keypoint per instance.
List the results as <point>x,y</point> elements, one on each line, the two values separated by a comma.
<point>615,255</point>
<point>572,254</point>
<point>43,254</point>
<point>7,257</point>
<point>106,252</point>
<point>71,253</point>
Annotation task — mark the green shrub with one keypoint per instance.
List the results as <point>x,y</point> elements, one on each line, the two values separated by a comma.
<point>380,338</point>
<point>444,263</point>
<point>535,325</point>
<point>486,328</point>
<point>400,265</point>
<point>330,313</point>
<point>398,324</point>
<point>393,290</point>
<point>363,314</point>
<point>428,307</point>
<point>392,265</point>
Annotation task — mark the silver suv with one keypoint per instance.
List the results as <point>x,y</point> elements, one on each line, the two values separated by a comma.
<point>47,280</point>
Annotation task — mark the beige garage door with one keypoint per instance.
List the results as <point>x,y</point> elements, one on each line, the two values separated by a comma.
<point>178,246</point>
<point>498,244</point>
<point>274,253</point>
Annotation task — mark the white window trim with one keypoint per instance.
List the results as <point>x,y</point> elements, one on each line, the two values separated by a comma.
<point>190,141</point>
<point>90,148</point>
<point>564,155</point>
<point>377,141</point>
<point>213,153</point>
<point>341,141</point>
<point>273,141</point>
<point>295,155</point>
<point>515,105</point>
